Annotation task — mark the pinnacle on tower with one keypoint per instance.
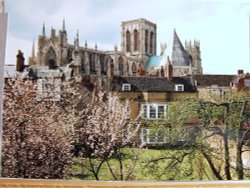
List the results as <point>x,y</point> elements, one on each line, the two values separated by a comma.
<point>33,50</point>
<point>77,37</point>
<point>32,58</point>
<point>52,33</point>
<point>43,31</point>
<point>115,47</point>
<point>63,25</point>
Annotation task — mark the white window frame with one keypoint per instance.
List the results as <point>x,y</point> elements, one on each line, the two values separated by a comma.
<point>163,136</point>
<point>126,87</point>
<point>147,136</point>
<point>179,87</point>
<point>153,115</point>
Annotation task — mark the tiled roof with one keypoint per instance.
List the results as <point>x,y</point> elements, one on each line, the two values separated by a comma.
<point>209,80</point>
<point>153,84</point>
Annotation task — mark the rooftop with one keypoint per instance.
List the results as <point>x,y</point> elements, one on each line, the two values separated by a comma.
<point>206,80</point>
<point>153,84</point>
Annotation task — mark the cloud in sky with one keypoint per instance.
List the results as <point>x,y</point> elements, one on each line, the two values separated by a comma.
<point>222,26</point>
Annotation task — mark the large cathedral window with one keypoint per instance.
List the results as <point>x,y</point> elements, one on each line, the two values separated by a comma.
<point>104,62</point>
<point>136,40</point>
<point>120,64</point>
<point>50,58</point>
<point>128,41</point>
<point>92,63</point>
<point>111,67</point>
<point>127,65</point>
<point>146,41</point>
<point>151,42</point>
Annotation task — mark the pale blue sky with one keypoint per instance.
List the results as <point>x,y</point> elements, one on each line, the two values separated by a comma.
<point>222,26</point>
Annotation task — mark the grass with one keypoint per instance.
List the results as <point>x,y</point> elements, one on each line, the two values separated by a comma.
<point>164,165</point>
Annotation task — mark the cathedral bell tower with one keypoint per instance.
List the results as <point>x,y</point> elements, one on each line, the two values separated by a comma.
<point>138,38</point>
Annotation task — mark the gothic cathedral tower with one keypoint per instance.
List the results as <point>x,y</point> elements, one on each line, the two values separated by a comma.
<point>138,38</point>
<point>195,53</point>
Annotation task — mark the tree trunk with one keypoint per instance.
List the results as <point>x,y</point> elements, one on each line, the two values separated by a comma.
<point>226,146</point>
<point>211,164</point>
<point>96,170</point>
<point>111,170</point>
<point>120,164</point>
<point>240,141</point>
<point>239,162</point>
<point>227,155</point>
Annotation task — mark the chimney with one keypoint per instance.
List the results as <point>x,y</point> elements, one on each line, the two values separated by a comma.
<point>240,72</point>
<point>169,69</point>
<point>161,72</point>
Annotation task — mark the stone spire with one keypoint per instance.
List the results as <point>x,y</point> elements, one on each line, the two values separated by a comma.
<point>115,47</point>
<point>52,33</point>
<point>63,26</point>
<point>95,46</point>
<point>33,50</point>
<point>43,30</point>
<point>180,56</point>
<point>32,58</point>
<point>77,37</point>
<point>86,44</point>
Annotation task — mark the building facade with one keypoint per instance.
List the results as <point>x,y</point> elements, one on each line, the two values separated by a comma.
<point>138,48</point>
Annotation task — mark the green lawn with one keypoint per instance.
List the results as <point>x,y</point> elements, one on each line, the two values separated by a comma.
<point>136,166</point>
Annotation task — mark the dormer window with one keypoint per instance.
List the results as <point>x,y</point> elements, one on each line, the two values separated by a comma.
<point>126,87</point>
<point>179,87</point>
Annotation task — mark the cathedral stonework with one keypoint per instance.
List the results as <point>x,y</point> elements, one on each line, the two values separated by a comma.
<point>138,38</point>
<point>138,48</point>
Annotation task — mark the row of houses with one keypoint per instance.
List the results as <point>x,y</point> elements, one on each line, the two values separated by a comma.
<point>146,90</point>
<point>151,82</point>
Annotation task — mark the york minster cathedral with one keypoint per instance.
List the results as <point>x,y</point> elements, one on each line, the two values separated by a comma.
<point>137,56</point>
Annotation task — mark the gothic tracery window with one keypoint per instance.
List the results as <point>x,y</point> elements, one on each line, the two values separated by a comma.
<point>136,40</point>
<point>51,58</point>
<point>111,67</point>
<point>120,64</point>
<point>127,65</point>
<point>146,41</point>
<point>128,41</point>
<point>104,62</point>
<point>151,42</point>
<point>92,63</point>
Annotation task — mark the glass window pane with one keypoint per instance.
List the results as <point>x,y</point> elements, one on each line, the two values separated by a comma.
<point>152,111</point>
<point>161,111</point>
<point>145,111</point>
<point>144,135</point>
<point>161,137</point>
<point>152,136</point>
